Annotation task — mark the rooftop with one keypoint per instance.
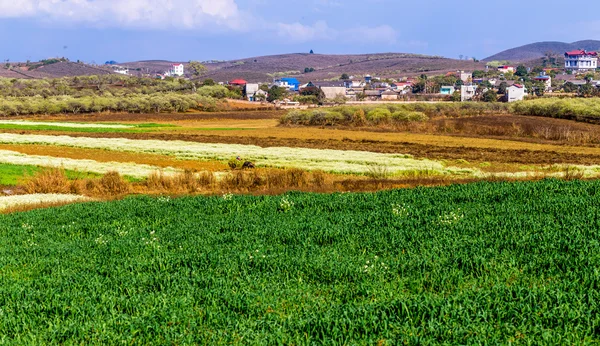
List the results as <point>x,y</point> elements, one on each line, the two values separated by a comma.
<point>580,52</point>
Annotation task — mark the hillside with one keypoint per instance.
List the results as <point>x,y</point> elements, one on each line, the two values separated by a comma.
<point>539,49</point>
<point>55,70</point>
<point>264,68</point>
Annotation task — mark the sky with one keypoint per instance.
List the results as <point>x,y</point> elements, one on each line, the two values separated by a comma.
<point>95,31</point>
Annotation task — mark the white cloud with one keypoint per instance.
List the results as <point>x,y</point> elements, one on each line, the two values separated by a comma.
<point>297,32</point>
<point>320,31</point>
<point>161,14</point>
<point>208,15</point>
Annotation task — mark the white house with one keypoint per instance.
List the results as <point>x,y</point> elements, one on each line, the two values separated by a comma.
<point>175,70</point>
<point>506,69</point>
<point>122,70</point>
<point>467,92</point>
<point>581,61</point>
<point>515,92</point>
<point>250,90</point>
<point>464,76</point>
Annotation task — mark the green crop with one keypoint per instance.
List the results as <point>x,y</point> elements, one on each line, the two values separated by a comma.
<point>487,263</point>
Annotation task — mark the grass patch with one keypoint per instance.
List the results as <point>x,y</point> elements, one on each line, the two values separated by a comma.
<point>14,174</point>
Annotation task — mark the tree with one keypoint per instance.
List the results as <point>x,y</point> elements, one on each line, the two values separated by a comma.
<point>316,91</point>
<point>309,69</point>
<point>502,88</point>
<point>586,90</point>
<point>569,87</point>
<point>521,71</point>
<point>539,88</point>
<point>490,96</point>
<point>208,82</point>
<point>197,68</point>
<point>311,52</point>
<point>478,74</point>
<point>276,93</point>
<point>455,97</point>
<point>344,76</point>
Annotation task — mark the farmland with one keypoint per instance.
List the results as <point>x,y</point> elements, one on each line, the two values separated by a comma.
<point>156,234</point>
<point>435,150</point>
<point>416,266</point>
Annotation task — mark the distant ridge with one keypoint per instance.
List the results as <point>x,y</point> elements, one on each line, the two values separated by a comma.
<point>539,49</point>
<point>320,67</point>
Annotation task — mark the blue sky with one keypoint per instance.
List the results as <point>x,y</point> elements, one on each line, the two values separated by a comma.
<point>183,30</point>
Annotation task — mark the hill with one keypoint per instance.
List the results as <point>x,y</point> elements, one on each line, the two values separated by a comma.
<point>51,70</point>
<point>539,49</point>
<point>326,67</point>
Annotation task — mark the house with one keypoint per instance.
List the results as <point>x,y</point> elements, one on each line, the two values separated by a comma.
<point>354,84</point>
<point>373,95</point>
<point>292,84</point>
<point>464,76</point>
<point>332,92</point>
<point>547,80</point>
<point>250,90</point>
<point>515,92</point>
<point>389,95</point>
<point>447,90</point>
<point>402,87</point>
<point>121,70</point>
<point>506,69</point>
<point>238,82</point>
<point>175,70</point>
<point>368,79</point>
<point>581,61</point>
<point>467,92</point>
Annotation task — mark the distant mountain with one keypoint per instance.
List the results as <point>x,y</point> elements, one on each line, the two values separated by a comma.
<point>320,67</point>
<point>539,49</point>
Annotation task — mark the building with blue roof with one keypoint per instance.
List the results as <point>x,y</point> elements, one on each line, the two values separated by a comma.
<point>290,83</point>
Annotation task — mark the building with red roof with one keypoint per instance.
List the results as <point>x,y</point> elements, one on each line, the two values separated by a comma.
<point>238,82</point>
<point>581,61</point>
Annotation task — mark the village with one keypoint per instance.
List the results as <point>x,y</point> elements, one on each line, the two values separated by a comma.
<point>498,82</point>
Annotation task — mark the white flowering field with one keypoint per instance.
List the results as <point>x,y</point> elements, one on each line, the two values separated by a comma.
<point>341,161</point>
<point>38,198</point>
<point>65,124</point>
<point>124,168</point>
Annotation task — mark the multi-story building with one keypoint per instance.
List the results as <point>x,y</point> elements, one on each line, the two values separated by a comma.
<point>176,70</point>
<point>581,61</point>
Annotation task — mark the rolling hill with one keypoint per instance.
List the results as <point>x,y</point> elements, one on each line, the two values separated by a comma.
<point>55,70</point>
<point>326,67</point>
<point>537,50</point>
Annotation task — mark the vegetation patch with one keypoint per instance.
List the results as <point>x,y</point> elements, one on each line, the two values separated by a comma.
<point>371,115</point>
<point>309,269</point>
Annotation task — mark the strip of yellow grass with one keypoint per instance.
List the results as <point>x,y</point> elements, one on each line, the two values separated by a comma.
<point>424,139</point>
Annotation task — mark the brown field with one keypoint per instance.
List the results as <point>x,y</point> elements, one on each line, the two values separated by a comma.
<point>465,142</point>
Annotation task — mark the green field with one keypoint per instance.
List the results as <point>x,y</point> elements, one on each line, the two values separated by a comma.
<point>14,174</point>
<point>487,263</point>
<point>139,128</point>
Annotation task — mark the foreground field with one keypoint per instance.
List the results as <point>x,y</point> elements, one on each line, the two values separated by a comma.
<point>467,264</point>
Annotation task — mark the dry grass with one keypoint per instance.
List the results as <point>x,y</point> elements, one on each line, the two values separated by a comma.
<point>28,207</point>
